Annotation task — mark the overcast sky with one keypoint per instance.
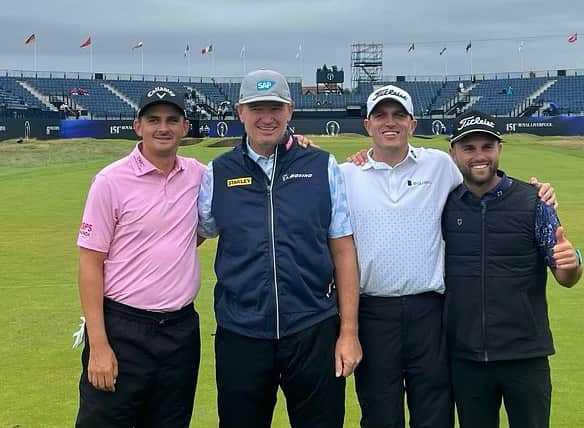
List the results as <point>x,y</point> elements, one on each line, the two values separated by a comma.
<point>273,30</point>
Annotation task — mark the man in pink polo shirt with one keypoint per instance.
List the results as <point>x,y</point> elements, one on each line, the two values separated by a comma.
<point>138,276</point>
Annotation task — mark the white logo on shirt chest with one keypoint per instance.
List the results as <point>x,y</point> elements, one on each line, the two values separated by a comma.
<point>294,176</point>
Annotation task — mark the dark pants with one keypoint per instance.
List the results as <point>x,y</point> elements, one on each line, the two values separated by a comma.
<point>404,351</point>
<point>523,385</point>
<point>158,363</point>
<point>250,370</point>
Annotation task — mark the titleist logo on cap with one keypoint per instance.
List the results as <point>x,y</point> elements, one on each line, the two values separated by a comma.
<point>474,120</point>
<point>389,91</point>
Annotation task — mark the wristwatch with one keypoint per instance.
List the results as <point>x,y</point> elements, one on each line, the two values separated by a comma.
<point>579,254</point>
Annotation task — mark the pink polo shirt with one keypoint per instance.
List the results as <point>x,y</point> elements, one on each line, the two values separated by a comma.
<point>146,222</point>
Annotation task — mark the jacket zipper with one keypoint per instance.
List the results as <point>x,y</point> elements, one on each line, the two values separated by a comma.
<point>483,290</point>
<point>273,242</point>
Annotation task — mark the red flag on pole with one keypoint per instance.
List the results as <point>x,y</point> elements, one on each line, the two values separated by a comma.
<point>30,39</point>
<point>86,43</point>
<point>573,38</point>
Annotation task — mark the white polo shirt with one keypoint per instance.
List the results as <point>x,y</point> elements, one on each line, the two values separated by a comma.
<point>396,216</point>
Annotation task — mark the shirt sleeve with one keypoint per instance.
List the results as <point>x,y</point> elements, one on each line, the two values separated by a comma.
<point>546,224</point>
<point>207,227</point>
<point>100,216</point>
<point>340,220</point>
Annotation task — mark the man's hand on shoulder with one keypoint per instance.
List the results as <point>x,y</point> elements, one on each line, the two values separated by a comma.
<point>359,158</point>
<point>545,192</point>
<point>304,141</point>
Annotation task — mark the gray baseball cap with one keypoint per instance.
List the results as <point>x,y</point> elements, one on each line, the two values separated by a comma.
<point>264,85</point>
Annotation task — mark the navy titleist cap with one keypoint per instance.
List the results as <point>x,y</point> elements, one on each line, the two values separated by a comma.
<point>475,121</point>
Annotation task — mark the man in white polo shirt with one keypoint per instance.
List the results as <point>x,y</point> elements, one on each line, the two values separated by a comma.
<point>138,276</point>
<point>396,197</point>
<point>396,200</point>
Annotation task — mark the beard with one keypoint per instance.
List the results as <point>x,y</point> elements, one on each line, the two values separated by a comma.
<point>481,177</point>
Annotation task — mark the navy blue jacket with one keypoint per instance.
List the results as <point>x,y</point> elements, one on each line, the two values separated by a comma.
<point>273,265</point>
<point>496,307</point>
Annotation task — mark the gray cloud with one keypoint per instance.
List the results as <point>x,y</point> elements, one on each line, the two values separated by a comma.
<point>272,31</point>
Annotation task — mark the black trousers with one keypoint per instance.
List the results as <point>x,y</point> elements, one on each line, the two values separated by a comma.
<point>158,363</point>
<point>250,370</point>
<point>524,386</point>
<point>404,351</point>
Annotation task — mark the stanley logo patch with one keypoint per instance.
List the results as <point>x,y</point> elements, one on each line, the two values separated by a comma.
<point>241,181</point>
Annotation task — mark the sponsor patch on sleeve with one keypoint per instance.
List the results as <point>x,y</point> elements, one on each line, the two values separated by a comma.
<point>85,229</point>
<point>241,181</point>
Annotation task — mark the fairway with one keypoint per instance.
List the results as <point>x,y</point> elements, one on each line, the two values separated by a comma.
<point>43,186</point>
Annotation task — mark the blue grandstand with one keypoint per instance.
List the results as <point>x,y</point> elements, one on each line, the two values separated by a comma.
<point>113,96</point>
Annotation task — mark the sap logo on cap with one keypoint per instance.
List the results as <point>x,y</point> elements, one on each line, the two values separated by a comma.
<point>389,91</point>
<point>265,85</point>
<point>474,120</point>
<point>161,92</point>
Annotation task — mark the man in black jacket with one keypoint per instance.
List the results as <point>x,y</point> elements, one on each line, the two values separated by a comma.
<point>500,239</point>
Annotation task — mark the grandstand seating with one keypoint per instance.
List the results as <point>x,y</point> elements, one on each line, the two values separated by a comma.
<point>567,93</point>
<point>13,95</point>
<point>89,95</point>
<point>495,99</point>
<point>446,93</point>
<point>119,97</point>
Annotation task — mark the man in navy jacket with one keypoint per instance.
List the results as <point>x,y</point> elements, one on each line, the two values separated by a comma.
<point>287,287</point>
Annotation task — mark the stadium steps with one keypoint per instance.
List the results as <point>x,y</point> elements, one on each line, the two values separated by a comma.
<point>473,99</point>
<point>459,97</point>
<point>531,99</point>
<point>44,99</point>
<point>120,96</point>
<point>68,101</point>
<point>543,88</point>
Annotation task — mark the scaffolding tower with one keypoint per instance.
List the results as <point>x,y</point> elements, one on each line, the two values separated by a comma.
<point>366,63</point>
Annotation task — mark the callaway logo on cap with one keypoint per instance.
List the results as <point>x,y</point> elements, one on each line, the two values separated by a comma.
<point>390,92</point>
<point>160,92</point>
<point>162,95</point>
<point>475,121</point>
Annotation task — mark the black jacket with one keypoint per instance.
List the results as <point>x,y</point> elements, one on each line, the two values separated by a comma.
<point>496,307</point>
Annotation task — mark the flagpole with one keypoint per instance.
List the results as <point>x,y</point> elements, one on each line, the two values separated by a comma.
<point>91,58</point>
<point>415,66</point>
<point>301,65</point>
<point>142,60</point>
<point>213,62</point>
<point>34,56</point>
<point>301,58</point>
<point>471,63</point>
<point>243,53</point>
<point>445,65</point>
